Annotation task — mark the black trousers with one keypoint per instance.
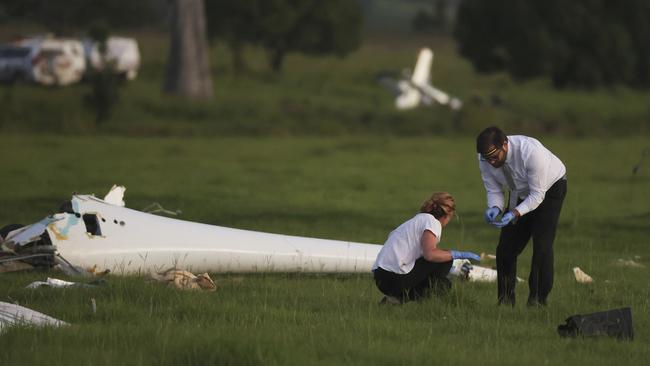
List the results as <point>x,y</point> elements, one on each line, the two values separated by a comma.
<point>541,224</point>
<point>424,279</point>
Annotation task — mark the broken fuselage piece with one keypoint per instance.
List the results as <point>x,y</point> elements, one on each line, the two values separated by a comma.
<point>90,232</point>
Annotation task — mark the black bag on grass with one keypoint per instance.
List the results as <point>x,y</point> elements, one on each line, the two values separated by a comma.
<point>614,323</point>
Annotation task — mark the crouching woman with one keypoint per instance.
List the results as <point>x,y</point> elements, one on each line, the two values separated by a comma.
<point>410,266</point>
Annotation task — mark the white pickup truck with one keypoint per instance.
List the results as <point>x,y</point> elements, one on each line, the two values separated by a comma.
<point>15,63</point>
<point>55,61</point>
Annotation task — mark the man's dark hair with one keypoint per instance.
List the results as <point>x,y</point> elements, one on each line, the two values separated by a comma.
<point>491,136</point>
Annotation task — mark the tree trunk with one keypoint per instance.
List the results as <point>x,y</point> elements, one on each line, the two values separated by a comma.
<point>237,52</point>
<point>276,59</point>
<point>188,67</point>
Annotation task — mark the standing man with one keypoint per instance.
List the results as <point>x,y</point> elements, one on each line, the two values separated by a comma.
<point>536,181</point>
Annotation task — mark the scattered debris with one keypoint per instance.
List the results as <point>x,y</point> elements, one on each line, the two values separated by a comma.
<point>14,266</point>
<point>116,195</point>
<point>486,257</point>
<point>57,283</point>
<point>185,280</point>
<point>460,269</point>
<point>464,270</point>
<point>12,314</point>
<point>412,90</point>
<point>581,277</point>
<point>629,263</point>
<point>156,207</point>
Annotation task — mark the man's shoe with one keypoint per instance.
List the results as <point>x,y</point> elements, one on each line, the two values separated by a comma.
<point>390,300</point>
<point>532,302</point>
<point>504,301</point>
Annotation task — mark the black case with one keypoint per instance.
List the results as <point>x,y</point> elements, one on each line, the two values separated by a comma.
<point>614,323</point>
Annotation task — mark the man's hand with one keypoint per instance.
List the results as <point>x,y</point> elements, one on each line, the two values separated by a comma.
<point>456,254</point>
<point>491,214</point>
<point>507,218</point>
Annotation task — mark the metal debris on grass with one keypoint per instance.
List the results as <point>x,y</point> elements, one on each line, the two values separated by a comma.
<point>629,263</point>
<point>12,314</point>
<point>185,280</point>
<point>581,276</point>
<point>57,283</point>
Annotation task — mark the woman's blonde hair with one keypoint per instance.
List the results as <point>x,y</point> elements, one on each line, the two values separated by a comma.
<point>439,205</point>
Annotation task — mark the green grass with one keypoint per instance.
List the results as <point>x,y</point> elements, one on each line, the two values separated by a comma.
<point>352,188</point>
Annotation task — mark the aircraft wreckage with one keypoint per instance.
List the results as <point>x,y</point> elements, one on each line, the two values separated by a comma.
<point>89,232</point>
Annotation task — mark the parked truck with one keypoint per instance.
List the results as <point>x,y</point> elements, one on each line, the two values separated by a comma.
<point>15,63</point>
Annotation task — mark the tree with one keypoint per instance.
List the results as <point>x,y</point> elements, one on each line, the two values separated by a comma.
<point>233,22</point>
<point>435,20</point>
<point>188,69</point>
<point>582,43</point>
<point>68,16</point>
<point>314,27</point>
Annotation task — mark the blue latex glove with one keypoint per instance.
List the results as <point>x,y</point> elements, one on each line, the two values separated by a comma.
<point>507,218</point>
<point>491,214</point>
<point>456,254</point>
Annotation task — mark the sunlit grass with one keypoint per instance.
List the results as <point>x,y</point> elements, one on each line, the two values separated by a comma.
<point>354,188</point>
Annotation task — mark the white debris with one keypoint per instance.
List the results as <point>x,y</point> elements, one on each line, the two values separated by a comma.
<point>27,234</point>
<point>581,277</point>
<point>12,314</point>
<point>629,263</point>
<point>460,269</point>
<point>463,269</point>
<point>52,282</point>
<point>116,195</point>
<point>57,283</point>
<point>482,274</point>
<point>487,256</point>
<point>185,280</point>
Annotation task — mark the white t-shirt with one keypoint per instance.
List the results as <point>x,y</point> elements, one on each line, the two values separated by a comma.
<point>403,246</point>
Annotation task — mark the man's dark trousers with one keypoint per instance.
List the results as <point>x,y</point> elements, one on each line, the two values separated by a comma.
<point>541,224</point>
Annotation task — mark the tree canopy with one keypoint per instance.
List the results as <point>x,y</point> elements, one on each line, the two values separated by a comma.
<point>583,43</point>
<point>62,16</point>
<point>285,26</point>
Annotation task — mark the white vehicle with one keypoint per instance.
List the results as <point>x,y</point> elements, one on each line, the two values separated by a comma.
<point>15,63</point>
<point>121,52</point>
<point>56,61</point>
<point>413,90</point>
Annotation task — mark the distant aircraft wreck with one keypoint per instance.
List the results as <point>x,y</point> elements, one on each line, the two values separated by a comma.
<point>414,89</point>
<point>91,233</point>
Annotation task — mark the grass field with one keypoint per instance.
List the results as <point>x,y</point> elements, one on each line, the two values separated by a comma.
<point>349,188</point>
<point>326,96</point>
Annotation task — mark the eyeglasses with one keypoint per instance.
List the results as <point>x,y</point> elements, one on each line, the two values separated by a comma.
<point>492,155</point>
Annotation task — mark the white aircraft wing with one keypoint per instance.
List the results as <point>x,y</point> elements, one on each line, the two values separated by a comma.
<point>422,69</point>
<point>410,96</point>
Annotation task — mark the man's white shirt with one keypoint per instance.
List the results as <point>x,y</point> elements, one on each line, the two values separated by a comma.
<point>403,246</point>
<point>534,170</point>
